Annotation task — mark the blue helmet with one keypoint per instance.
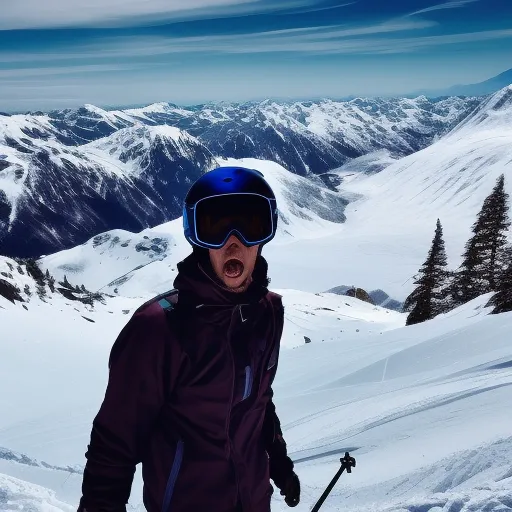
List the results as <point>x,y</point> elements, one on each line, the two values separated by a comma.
<point>230,201</point>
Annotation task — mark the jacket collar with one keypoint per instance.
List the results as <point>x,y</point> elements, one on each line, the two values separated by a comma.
<point>198,285</point>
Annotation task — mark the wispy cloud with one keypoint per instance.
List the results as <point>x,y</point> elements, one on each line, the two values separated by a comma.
<point>312,41</point>
<point>41,72</point>
<point>453,4</point>
<point>334,38</point>
<point>318,9</point>
<point>329,40</point>
<point>24,14</point>
<point>393,37</point>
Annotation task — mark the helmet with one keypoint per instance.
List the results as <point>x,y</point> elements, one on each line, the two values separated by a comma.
<point>227,201</point>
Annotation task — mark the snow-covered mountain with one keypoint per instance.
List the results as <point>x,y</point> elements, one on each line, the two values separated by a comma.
<point>390,218</point>
<point>389,229</point>
<point>54,196</point>
<point>450,180</point>
<point>315,137</point>
<point>68,175</point>
<point>420,407</point>
<point>305,137</point>
<point>121,262</point>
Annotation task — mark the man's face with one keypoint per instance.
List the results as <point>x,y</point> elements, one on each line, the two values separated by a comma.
<point>234,263</point>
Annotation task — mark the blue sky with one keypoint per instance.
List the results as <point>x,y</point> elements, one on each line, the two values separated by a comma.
<point>64,53</point>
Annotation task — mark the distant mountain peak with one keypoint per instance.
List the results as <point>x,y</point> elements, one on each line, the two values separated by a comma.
<point>484,88</point>
<point>494,112</point>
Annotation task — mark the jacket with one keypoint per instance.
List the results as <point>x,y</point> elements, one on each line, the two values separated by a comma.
<point>189,396</point>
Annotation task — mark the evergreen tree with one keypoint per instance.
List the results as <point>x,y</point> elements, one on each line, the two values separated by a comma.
<point>484,255</point>
<point>50,280</point>
<point>502,300</point>
<point>41,291</point>
<point>34,271</point>
<point>430,297</point>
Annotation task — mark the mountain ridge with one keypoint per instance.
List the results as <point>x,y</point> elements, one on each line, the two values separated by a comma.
<point>484,88</point>
<point>308,137</point>
<point>55,196</point>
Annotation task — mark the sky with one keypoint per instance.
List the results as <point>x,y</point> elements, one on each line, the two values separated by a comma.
<point>114,53</point>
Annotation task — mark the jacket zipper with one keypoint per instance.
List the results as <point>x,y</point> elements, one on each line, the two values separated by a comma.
<point>171,482</point>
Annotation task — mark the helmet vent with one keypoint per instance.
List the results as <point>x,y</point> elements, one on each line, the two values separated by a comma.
<point>227,180</point>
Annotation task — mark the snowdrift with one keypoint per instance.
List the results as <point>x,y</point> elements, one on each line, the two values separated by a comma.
<point>421,408</point>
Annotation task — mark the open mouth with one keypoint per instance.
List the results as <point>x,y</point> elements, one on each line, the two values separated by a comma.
<point>233,268</point>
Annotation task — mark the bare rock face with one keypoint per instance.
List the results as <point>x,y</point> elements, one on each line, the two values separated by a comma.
<point>360,294</point>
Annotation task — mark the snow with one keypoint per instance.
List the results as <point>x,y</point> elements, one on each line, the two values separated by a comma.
<point>410,404</point>
<point>118,253</point>
<point>423,409</point>
<point>26,496</point>
<point>126,148</point>
<point>358,120</point>
<point>369,163</point>
<point>145,262</point>
<point>13,178</point>
<point>389,228</point>
<point>391,224</point>
<point>157,108</point>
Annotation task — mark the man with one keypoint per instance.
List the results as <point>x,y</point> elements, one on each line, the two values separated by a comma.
<point>189,392</point>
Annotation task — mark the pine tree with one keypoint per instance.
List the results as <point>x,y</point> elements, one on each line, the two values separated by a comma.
<point>502,300</point>
<point>430,297</point>
<point>484,255</point>
<point>50,280</point>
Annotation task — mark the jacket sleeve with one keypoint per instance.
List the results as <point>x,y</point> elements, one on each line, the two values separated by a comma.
<point>132,402</point>
<point>280,465</point>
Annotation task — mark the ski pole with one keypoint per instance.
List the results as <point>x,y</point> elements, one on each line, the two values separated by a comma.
<point>347,463</point>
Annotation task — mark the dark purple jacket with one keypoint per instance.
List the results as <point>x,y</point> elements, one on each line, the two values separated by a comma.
<point>189,395</point>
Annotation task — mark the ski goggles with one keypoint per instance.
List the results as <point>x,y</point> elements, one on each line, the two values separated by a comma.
<point>212,220</point>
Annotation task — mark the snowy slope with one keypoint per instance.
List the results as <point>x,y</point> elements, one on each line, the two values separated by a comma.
<point>18,493</point>
<point>449,180</point>
<point>52,421</point>
<point>389,229</point>
<point>392,214</point>
<point>420,408</point>
<point>402,400</point>
<point>140,263</point>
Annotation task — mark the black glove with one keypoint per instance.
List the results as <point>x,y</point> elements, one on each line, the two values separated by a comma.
<point>291,490</point>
